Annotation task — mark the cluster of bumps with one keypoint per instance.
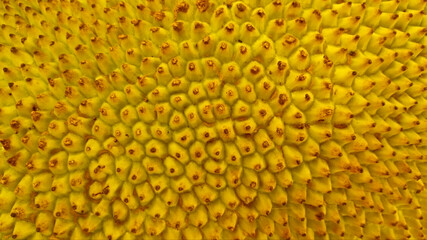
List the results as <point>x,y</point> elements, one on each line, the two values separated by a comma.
<point>254,119</point>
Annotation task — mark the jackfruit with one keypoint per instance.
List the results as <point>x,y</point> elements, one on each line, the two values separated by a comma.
<point>208,119</point>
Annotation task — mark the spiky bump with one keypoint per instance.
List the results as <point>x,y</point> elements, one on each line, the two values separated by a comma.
<point>210,119</point>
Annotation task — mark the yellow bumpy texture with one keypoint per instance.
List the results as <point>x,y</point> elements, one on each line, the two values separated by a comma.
<point>213,119</point>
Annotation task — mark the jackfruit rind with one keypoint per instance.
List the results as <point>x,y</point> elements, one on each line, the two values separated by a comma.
<point>206,119</point>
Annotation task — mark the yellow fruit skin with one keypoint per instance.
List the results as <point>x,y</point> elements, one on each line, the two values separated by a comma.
<point>207,119</point>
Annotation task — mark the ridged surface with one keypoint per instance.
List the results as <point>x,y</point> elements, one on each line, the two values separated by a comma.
<point>210,119</point>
